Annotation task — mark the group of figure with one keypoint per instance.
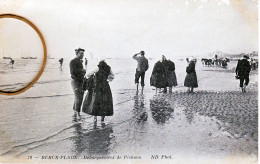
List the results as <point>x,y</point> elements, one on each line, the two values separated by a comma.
<point>215,62</point>
<point>163,74</point>
<point>98,100</point>
<point>254,64</point>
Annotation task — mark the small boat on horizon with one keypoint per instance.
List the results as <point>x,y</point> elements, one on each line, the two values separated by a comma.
<point>7,57</point>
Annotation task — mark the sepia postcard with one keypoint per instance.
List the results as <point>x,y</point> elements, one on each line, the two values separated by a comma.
<point>129,81</point>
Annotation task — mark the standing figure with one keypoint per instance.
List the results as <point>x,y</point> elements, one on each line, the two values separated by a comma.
<point>12,62</point>
<point>158,77</point>
<point>191,77</point>
<point>142,67</point>
<point>61,62</point>
<point>77,74</point>
<point>253,64</point>
<point>187,60</point>
<point>170,74</point>
<point>99,100</point>
<point>224,63</point>
<point>242,71</point>
<point>86,63</point>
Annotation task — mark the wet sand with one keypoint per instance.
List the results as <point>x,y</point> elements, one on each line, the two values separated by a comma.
<point>216,124</point>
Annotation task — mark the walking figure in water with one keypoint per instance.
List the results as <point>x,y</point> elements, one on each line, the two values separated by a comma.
<point>77,75</point>
<point>142,67</point>
<point>61,62</point>
<point>12,62</point>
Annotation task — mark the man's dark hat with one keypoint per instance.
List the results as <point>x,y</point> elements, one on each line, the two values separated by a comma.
<point>79,49</point>
<point>246,57</point>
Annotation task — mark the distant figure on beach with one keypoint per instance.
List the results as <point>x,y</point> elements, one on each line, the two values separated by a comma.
<point>187,60</point>
<point>86,63</point>
<point>158,78</point>
<point>99,100</point>
<point>61,62</point>
<point>224,63</point>
<point>253,64</point>
<point>191,77</point>
<point>142,67</point>
<point>77,74</point>
<point>242,72</point>
<point>170,74</point>
<point>12,62</point>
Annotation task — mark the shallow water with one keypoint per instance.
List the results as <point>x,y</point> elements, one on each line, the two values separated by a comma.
<point>216,121</point>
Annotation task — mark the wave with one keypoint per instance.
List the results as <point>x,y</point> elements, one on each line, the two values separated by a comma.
<point>39,82</point>
<point>37,141</point>
<point>38,97</point>
<point>46,140</point>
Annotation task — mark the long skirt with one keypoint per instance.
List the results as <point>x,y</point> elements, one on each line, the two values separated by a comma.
<point>171,78</point>
<point>99,101</point>
<point>191,80</point>
<point>158,80</point>
<point>78,94</point>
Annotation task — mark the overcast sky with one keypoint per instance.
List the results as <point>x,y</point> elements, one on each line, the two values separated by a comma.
<point>120,28</point>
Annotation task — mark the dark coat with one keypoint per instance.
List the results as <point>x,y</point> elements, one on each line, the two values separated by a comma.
<point>169,65</point>
<point>190,68</point>
<point>158,77</point>
<point>170,73</point>
<point>191,77</point>
<point>99,101</point>
<point>243,68</point>
<point>76,70</point>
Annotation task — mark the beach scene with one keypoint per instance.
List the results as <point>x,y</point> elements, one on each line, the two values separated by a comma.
<point>217,121</point>
<point>104,47</point>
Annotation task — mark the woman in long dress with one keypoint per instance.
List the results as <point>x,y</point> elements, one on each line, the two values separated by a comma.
<point>158,77</point>
<point>170,74</point>
<point>99,101</point>
<point>191,78</point>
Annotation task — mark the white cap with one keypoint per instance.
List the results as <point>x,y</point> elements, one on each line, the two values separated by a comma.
<point>99,59</point>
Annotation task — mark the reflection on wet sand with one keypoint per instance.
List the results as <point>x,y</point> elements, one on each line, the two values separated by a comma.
<point>140,109</point>
<point>161,109</point>
<point>94,141</point>
<point>189,113</point>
